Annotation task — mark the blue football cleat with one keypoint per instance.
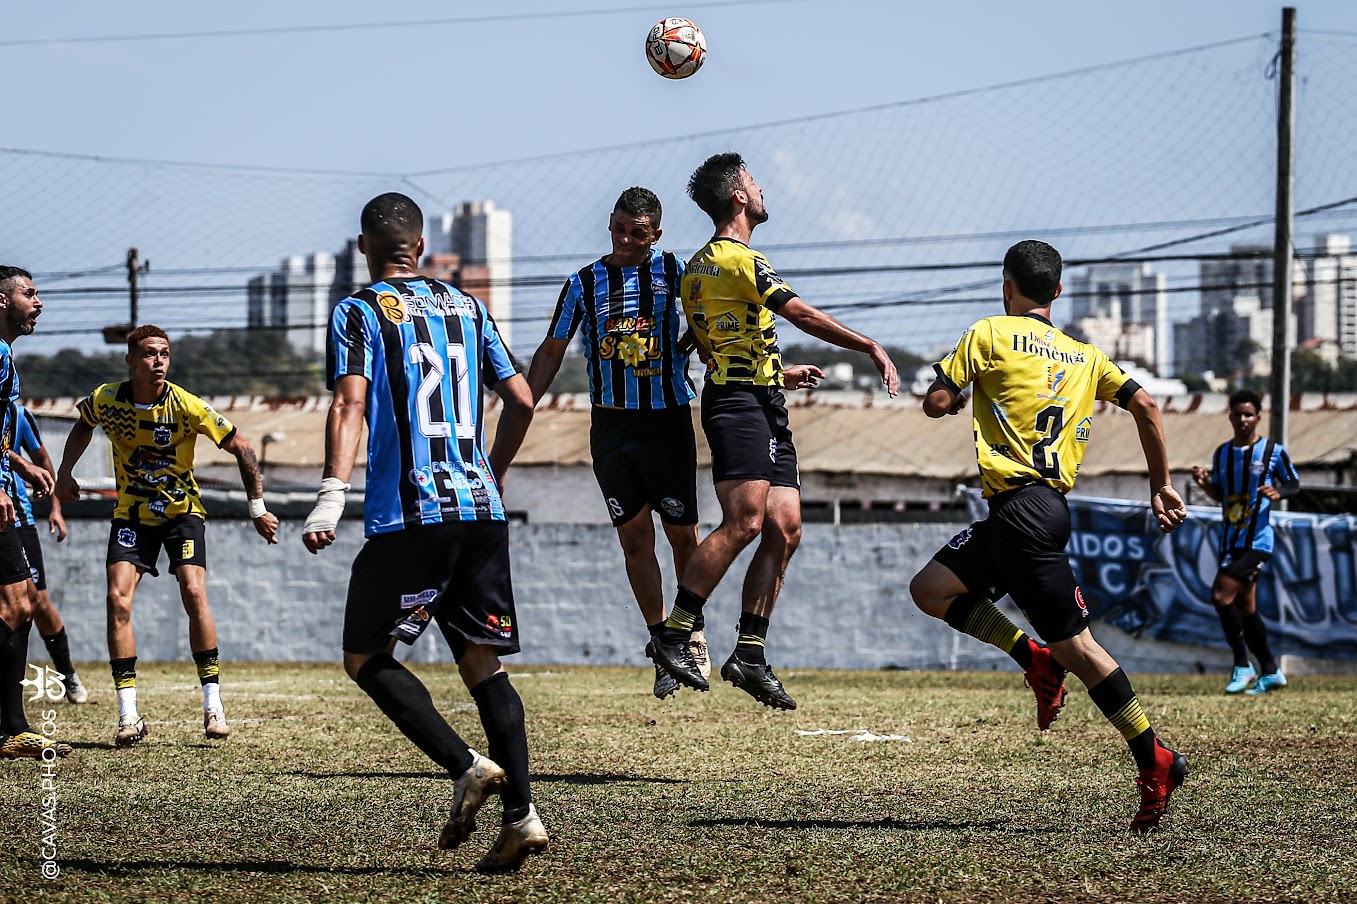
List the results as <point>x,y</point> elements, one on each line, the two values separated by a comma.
<point>1269,682</point>
<point>1240,678</point>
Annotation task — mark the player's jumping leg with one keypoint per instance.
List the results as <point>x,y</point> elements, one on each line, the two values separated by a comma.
<point>747,668</point>
<point>743,503</point>
<point>683,543</point>
<point>941,594</point>
<point>202,641</point>
<point>122,652</point>
<point>637,537</point>
<point>521,831</point>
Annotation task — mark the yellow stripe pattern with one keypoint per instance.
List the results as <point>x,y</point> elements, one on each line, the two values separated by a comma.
<point>1130,720</point>
<point>987,623</point>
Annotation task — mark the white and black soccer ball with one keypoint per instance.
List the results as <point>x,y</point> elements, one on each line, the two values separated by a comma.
<point>676,48</point>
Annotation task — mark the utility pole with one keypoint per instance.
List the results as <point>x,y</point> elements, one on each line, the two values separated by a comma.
<point>132,270</point>
<point>1286,209</point>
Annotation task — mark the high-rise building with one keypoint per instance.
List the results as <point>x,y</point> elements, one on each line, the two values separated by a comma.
<point>1122,309</point>
<point>481,236</point>
<point>297,297</point>
<point>1326,318</point>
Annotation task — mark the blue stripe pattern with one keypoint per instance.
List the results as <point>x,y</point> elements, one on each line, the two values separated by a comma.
<point>1240,474</point>
<point>631,320</point>
<point>9,398</point>
<point>426,350</point>
<point>27,440</point>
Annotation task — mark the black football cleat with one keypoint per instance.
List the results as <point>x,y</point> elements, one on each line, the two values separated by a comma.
<point>676,658</point>
<point>758,681</point>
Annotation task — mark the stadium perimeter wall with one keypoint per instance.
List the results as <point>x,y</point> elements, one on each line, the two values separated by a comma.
<point>845,603</point>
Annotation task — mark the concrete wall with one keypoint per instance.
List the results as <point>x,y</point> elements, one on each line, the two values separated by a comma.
<point>845,603</point>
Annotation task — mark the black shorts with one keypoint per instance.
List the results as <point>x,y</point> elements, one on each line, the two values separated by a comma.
<point>1019,550</point>
<point>28,535</point>
<point>183,538</point>
<point>1243,565</point>
<point>645,457</point>
<point>748,433</point>
<point>13,562</point>
<point>456,574</point>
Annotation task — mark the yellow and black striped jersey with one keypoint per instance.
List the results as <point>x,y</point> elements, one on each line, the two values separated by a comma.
<point>153,448</point>
<point>730,293</point>
<point>1033,401</point>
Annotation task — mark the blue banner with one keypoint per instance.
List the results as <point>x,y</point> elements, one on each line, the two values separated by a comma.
<point>1156,585</point>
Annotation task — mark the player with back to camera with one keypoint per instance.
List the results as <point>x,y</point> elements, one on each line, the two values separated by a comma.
<point>409,354</point>
<point>153,426</point>
<point>641,429</point>
<point>1035,390</point>
<point>730,295</point>
<point>20,307</point>
<point>1248,474</point>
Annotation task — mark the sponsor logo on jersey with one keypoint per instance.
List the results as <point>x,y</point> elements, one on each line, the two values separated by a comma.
<point>421,478</point>
<point>127,537</point>
<point>158,505</point>
<point>659,287</point>
<point>637,324</point>
<point>727,322</point>
<point>1083,430</point>
<point>1258,467</point>
<point>1043,347</point>
<point>411,600</point>
<point>671,507</point>
<point>960,539</point>
<point>162,435</point>
<point>392,307</point>
<point>703,270</point>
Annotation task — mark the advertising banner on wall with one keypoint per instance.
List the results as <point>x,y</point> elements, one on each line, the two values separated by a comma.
<point>1156,585</point>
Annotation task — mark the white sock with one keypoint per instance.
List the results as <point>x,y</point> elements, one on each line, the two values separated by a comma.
<point>211,696</point>
<point>127,703</point>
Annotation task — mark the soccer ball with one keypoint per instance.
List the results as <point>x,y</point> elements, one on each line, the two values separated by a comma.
<point>676,48</point>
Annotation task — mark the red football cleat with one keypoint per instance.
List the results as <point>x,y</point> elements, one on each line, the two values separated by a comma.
<point>1156,784</point>
<point>1046,678</point>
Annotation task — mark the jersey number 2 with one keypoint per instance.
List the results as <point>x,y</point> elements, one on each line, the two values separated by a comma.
<point>433,382</point>
<point>1045,459</point>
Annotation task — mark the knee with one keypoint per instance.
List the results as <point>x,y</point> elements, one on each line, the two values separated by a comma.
<point>119,607</point>
<point>1220,600</point>
<point>353,664</point>
<point>922,594</point>
<point>635,546</point>
<point>744,529</point>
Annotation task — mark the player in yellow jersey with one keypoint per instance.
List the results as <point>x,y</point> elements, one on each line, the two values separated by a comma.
<point>730,294</point>
<point>153,426</point>
<point>1035,390</point>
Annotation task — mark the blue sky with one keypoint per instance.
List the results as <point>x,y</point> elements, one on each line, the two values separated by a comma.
<point>479,95</point>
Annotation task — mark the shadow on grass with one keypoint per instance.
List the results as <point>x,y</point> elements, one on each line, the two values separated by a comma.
<point>567,778</point>
<point>898,825</point>
<point>280,867</point>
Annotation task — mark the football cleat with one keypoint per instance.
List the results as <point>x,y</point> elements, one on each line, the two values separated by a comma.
<point>517,841</point>
<point>130,731</point>
<point>758,681</point>
<point>472,787</point>
<point>665,685</point>
<point>1240,678</point>
<point>697,645</point>
<point>1046,678</point>
<point>1270,682</point>
<point>214,725</point>
<point>29,745</point>
<point>75,690</point>
<point>1156,784</point>
<point>676,658</point>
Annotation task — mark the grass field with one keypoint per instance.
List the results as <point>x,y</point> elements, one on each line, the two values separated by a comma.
<point>703,798</point>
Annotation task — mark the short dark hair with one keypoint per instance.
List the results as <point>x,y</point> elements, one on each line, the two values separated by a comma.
<point>712,184</point>
<point>142,333</point>
<point>8,273</point>
<point>640,202</point>
<point>1034,268</point>
<point>1246,396</point>
<point>392,222</point>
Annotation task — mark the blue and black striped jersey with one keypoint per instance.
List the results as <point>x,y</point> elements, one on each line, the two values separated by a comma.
<point>426,350</point>
<point>9,398</point>
<point>1241,473</point>
<point>632,321</point>
<point>27,440</point>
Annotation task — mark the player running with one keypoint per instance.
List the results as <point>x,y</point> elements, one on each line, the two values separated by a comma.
<point>1033,415</point>
<point>153,427</point>
<point>1247,475</point>
<point>410,354</point>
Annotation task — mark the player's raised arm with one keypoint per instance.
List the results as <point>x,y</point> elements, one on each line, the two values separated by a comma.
<point>514,419</point>
<point>343,429</point>
<point>1168,506</point>
<point>814,322</point>
<point>77,441</point>
<point>265,522</point>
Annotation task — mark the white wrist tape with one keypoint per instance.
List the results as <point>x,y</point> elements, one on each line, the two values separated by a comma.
<point>257,508</point>
<point>329,506</point>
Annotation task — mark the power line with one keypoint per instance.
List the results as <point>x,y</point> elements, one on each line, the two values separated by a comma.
<point>372,26</point>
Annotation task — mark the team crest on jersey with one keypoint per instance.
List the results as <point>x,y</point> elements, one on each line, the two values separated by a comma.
<point>960,539</point>
<point>659,287</point>
<point>1258,467</point>
<point>127,537</point>
<point>671,507</point>
<point>162,435</point>
<point>393,307</point>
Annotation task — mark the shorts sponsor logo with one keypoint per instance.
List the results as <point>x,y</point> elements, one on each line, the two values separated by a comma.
<point>162,435</point>
<point>413,625</point>
<point>772,450</point>
<point>127,537</point>
<point>186,552</point>
<point>411,600</point>
<point>1079,599</point>
<point>34,573</point>
<point>960,539</point>
<point>671,507</point>
<point>501,625</point>
<point>614,507</point>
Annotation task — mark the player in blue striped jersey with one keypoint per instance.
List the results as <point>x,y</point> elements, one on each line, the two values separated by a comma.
<point>28,441</point>
<point>410,354</point>
<point>1247,475</point>
<point>626,305</point>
